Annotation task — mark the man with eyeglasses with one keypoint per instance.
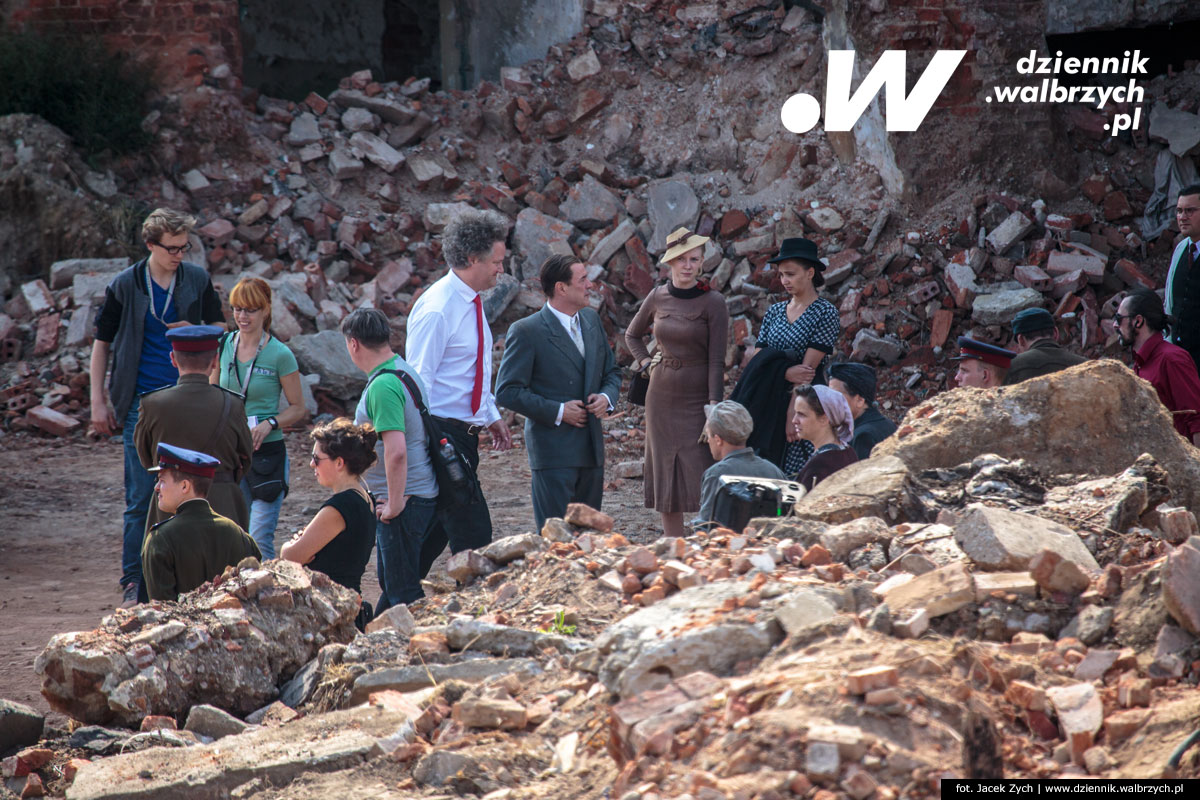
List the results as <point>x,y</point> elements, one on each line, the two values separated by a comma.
<point>1183,278</point>
<point>143,302</point>
<point>1140,323</point>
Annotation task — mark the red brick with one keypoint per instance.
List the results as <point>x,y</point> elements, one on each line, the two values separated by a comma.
<point>47,335</point>
<point>317,103</point>
<point>943,319</point>
<point>871,678</point>
<point>51,421</point>
<point>734,223</point>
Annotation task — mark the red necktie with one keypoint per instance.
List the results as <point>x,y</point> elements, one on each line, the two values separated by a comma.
<point>477,389</point>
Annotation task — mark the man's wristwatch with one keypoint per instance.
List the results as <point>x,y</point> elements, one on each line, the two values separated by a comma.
<point>274,423</point>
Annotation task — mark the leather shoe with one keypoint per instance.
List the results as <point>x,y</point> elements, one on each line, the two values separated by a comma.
<point>130,599</point>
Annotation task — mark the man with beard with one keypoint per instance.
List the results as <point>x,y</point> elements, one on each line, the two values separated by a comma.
<point>1169,368</point>
<point>1183,278</point>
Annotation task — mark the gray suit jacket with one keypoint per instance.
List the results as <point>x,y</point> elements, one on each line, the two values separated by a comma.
<point>542,368</point>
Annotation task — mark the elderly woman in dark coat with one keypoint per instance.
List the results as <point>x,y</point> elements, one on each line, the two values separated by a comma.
<point>691,328</point>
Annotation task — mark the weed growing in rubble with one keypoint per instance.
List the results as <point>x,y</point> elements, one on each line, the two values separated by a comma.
<point>559,625</point>
<point>98,98</point>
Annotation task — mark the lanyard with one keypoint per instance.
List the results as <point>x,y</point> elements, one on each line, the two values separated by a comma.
<point>150,291</point>
<point>233,362</point>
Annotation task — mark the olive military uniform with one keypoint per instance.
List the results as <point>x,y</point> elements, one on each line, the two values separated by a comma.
<point>189,415</point>
<point>1045,356</point>
<point>190,548</point>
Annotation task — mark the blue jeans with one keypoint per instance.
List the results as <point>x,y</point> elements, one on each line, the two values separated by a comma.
<point>398,557</point>
<point>264,516</point>
<point>139,491</point>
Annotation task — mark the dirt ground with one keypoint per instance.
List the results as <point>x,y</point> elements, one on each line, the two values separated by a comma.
<point>60,543</point>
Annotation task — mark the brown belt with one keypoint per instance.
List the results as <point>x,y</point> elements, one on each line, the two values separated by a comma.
<point>675,363</point>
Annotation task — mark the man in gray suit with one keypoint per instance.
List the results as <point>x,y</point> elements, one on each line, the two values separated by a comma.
<point>560,373</point>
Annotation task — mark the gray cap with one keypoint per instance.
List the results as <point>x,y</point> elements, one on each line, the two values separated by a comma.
<point>731,421</point>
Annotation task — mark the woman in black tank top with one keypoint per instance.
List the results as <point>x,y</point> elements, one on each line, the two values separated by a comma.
<point>340,537</point>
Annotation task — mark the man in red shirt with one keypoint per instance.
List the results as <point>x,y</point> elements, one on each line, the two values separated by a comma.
<point>1169,368</point>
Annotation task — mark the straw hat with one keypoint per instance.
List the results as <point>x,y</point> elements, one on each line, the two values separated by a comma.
<point>680,240</point>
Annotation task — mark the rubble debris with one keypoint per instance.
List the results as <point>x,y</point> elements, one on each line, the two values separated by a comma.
<point>226,644</point>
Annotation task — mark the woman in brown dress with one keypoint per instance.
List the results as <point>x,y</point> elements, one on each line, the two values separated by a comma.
<point>691,328</point>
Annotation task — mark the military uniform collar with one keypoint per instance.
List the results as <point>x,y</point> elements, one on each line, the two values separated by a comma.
<point>197,505</point>
<point>193,377</point>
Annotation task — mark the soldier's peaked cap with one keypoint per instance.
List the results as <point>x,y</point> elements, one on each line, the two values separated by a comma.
<point>191,462</point>
<point>987,353</point>
<point>195,338</point>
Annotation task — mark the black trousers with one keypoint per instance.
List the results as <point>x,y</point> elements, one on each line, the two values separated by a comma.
<point>553,489</point>
<point>466,527</point>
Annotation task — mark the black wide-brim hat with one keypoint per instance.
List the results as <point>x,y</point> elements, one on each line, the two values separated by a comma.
<point>799,248</point>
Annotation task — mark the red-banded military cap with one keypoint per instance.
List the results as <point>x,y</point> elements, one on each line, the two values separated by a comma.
<point>987,353</point>
<point>191,462</point>
<point>195,338</point>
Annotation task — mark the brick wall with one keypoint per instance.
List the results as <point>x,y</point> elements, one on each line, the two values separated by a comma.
<point>163,30</point>
<point>995,35</point>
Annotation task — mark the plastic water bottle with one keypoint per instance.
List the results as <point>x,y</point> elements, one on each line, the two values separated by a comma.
<point>453,467</point>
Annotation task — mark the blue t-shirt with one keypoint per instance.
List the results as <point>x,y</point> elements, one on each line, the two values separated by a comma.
<point>155,369</point>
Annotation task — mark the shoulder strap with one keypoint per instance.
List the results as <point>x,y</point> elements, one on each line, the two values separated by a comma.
<point>409,384</point>
<point>226,402</point>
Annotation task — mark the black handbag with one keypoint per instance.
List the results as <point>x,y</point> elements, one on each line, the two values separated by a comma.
<point>457,484</point>
<point>639,384</point>
<point>268,466</point>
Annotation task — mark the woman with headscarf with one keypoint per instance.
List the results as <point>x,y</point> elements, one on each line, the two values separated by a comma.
<point>691,328</point>
<point>822,416</point>
<point>856,382</point>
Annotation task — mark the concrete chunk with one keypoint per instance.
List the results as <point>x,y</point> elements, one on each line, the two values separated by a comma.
<point>275,756</point>
<point>1180,588</point>
<point>997,539</point>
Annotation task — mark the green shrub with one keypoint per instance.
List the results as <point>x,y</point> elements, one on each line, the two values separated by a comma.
<point>98,98</point>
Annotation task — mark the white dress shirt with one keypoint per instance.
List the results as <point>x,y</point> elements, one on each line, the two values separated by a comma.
<point>566,323</point>
<point>441,346</point>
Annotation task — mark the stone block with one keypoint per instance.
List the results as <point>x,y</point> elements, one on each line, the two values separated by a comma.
<point>212,722</point>
<point>467,564</point>
<point>510,548</point>
<point>989,583</point>
<point>1133,691</point>
<point>911,626</point>
<point>1057,574</point>
<point>20,725</point>
<point>1009,232</point>
<point>536,237</point>
<point>62,273</point>
<point>377,151</point>
<point>670,204</point>
<point>584,516</point>
<point>491,713</point>
<point>998,539</point>
<point>1060,263</point>
<point>1180,588</point>
<point>1095,664</point>
<point>939,592</point>
<point>999,308</point>
<point>397,618</point>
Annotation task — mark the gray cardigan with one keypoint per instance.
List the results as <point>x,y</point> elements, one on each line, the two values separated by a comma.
<point>122,321</point>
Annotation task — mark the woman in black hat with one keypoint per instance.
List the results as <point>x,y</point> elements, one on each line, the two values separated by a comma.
<point>794,345</point>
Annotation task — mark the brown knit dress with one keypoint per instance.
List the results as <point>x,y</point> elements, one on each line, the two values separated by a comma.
<point>691,328</point>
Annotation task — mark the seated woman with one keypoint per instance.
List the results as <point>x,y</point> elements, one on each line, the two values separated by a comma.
<point>340,537</point>
<point>822,416</point>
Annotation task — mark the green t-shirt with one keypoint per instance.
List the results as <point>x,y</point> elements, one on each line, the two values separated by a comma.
<point>262,393</point>
<point>386,398</point>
